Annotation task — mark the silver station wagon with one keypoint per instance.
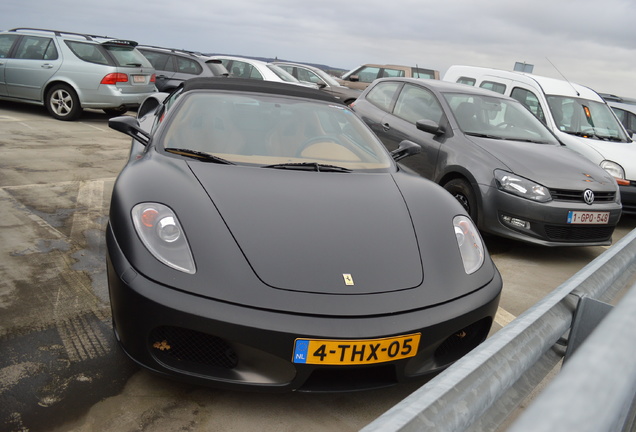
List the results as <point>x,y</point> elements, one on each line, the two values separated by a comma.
<point>67,72</point>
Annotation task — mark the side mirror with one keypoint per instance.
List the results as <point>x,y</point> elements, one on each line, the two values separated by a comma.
<point>406,148</point>
<point>430,126</point>
<point>354,78</point>
<point>321,85</point>
<point>130,126</point>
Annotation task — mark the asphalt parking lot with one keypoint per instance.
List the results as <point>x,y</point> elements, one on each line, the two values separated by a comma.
<point>61,369</point>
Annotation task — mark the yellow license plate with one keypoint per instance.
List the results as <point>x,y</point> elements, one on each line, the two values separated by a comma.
<point>356,351</point>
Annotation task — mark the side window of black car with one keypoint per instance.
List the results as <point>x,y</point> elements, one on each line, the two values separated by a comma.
<point>382,95</point>
<point>417,103</point>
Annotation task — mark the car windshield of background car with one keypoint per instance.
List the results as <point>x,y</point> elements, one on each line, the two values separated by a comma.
<point>497,118</point>
<point>127,56</point>
<point>321,75</point>
<point>282,74</point>
<point>586,118</point>
<point>264,130</point>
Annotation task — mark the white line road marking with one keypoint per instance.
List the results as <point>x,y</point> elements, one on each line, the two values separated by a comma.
<point>89,207</point>
<point>503,317</point>
<point>94,127</point>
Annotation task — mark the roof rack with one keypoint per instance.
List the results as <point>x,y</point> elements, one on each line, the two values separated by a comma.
<point>60,33</point>
<point>174,49</point>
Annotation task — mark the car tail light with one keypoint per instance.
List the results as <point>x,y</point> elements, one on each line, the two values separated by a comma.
<point>153,78</point>
<point>114,78</point>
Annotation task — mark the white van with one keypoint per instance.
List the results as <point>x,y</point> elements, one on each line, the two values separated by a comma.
<point>577,115</point>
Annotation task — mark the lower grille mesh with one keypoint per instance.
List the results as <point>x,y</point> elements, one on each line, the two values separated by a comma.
<point>176,344</point>
<point>581,234</point>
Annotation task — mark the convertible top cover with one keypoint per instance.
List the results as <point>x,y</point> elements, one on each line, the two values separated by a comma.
<point>251,85</point>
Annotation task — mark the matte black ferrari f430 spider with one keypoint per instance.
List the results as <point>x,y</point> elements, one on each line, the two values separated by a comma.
<point>262,237</point>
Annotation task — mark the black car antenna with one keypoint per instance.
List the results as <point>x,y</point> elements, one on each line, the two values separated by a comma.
<point>567,80</point>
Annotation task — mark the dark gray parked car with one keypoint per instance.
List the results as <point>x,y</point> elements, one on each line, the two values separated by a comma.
<point>175,66</point>
<point>324,81</point>
<point>511,174</point>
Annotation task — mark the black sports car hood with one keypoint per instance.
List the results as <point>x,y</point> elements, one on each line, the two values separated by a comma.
<point>550,165</point>
<point>317,232</point>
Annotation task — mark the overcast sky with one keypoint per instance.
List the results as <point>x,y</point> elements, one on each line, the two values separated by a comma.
<point>591,42</point>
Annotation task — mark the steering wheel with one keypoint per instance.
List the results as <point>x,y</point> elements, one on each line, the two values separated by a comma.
<point>317,139</point>
<point>504,125</point>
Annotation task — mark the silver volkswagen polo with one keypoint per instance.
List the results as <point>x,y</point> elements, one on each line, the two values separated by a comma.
<point>67,72</point>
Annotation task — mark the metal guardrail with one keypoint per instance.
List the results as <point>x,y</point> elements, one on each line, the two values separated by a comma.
<point>482,389</point>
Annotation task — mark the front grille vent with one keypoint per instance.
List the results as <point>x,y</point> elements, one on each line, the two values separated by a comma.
<point>577,196</point>
<point>174,345</point>
<point>580,234</point>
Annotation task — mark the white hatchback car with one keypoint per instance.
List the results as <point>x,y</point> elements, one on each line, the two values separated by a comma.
<point>242,67</point>
<point>67,72</point>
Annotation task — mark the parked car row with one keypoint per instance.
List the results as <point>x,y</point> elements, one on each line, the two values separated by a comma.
<point>67,72</point>
<point>174,66</point>
<point>395,108</point>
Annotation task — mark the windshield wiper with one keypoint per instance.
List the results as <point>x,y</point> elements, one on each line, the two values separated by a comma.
<point>483,135</point>
<point>199,155</point>
<point>308,166</point>
<point>593,134</point>
<point>609,138</point>
<point>528,140</point>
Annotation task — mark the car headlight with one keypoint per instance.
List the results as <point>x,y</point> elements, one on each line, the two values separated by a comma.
<point>160,231</point>
<point>521,186</point>
<point>616,171</point>
<point>471,247</point>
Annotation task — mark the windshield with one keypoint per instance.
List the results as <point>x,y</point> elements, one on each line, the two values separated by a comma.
<point>328,78</point>
<point>585,118</point>
<point>282,74</point>
<point>127,56</point>
<point>266,130</point>
<point>497,118</point>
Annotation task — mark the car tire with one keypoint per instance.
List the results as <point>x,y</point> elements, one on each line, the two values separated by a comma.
<point>465,194</point>
<point>62,102</point>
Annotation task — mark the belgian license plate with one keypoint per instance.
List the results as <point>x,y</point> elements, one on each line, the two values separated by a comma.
<point>582,217</point>
<point>139,79</point>
<point>355,352</point>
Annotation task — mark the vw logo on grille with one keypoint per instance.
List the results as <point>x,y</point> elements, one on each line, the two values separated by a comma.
<point>588,196</point>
